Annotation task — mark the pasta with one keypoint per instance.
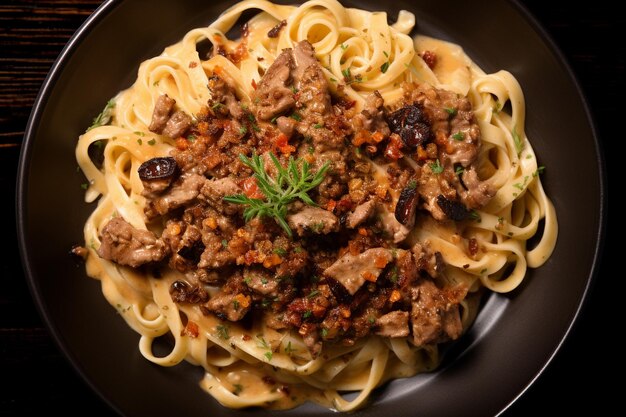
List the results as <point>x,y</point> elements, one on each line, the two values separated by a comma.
<point>359,53</point>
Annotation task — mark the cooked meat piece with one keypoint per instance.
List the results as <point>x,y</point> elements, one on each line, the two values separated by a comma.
<point>273,95</point>
<point>274,320</point>
<point>372,117</point>
<point>182,292</point>
<point>353,270</point>
<point>126,245</point>
<point>313,93</point>
<point>394,324</point>
<point>312,220</point>
<point>479,193</point>
<point>161,113</point>
<point>260,280</point>
<point>435,313</point>
<point>427,261</point>
<point>224,94</point>
<point>229,306</point>
<point>184,190</point>
<point>286,125</point>
<point>391,226</point>
<point>177,125</point>
<point>361,213</point>
<point>430,186</point>
<point>215,190</point>
<point>311,339</point>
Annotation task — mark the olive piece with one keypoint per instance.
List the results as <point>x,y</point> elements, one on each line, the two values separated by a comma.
<point>407,204</point>
<point>455,210</point>
<point>157,168</point>
<point>411,124</point>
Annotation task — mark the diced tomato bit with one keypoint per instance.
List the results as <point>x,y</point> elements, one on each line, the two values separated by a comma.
<point>253,83</point>
<point>380,262</point>
<point>217,70</point>
<point>368,276</point>
<point>395,296</point>
<point>421,153</point>
<point>330,206</point>
<point>361,137</point>
<point>210,222</point>
<point>282,144</point>
<point>345,204</point>
<point>251,188</point>
<point>345,312</point>
<point>272,260</point>
<point>182,144</point>
<point>378,137</point>
<point>362,231</point>
<point>243,300</point>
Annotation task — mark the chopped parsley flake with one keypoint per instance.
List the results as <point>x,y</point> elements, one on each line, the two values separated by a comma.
<point>280,251</point>
<point>243,130</point>
<point>459,170</point>
<point>237,389</point>
<point>313,294</point>
<point>436,167</point>
<point>458,136</point>
<point>451,111</point>
<point>539,171</point>
<point>268,355</point>
<point>152,142</point>
<point>84,185</point>
<point>223,331</point>
<point>343,47</point>
<point>307,314</point>
<point>225,243</point>
<point>324,332</point>
<point>384,67</point>
<point>296,116</point>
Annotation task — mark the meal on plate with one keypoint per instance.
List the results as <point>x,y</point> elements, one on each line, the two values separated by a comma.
<point>309,207</point>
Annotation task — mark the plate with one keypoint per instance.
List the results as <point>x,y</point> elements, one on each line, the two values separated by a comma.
<point>515,335</point>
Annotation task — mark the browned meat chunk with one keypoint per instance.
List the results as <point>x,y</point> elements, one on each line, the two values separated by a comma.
<point>273,95</point>
<point>125,245</point>
<point>427,261</point>
<point>314,220</point>
<point>161,113</point>
<point>391,226</point>
<point>260,280</point>
<point>478,193</point>
<point>224,94</point>
<point>184,190</point>
<point>353,270</point>
<point>177,125</point>
<point>215,190</point>
<point>394,324</point>
<point>311,84</point>
<point>372,117</point>
<point>182,292</point>
<point>435,313</point>
<point>361,213</point>
<point>286,125</point>
<point>229,306</point>
<point>311,339</point>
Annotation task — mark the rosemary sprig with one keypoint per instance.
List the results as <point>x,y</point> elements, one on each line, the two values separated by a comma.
<point>291,182</point>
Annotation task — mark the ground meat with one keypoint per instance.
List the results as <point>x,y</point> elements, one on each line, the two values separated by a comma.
<point>126,245</point>
<point>341,268</point>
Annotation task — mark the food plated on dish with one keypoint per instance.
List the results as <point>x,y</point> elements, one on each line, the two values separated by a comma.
<point>313,207</point>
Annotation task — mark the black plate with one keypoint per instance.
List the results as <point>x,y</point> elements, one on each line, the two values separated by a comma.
<point>515,335</point>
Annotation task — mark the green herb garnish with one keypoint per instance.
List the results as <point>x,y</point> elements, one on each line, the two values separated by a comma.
<point>292,182</point>
<point>436,167</point>
<point>104,118</point>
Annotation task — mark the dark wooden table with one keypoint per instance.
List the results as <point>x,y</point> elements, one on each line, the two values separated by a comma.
<point>36,378</point>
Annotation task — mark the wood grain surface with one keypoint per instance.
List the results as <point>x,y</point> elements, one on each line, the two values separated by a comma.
<point>36,378</point>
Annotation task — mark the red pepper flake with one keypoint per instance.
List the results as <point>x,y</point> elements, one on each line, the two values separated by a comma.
<point>191,330</point>
<point>330,206</point>
<point>253,83</point>
<point>193,64</point>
